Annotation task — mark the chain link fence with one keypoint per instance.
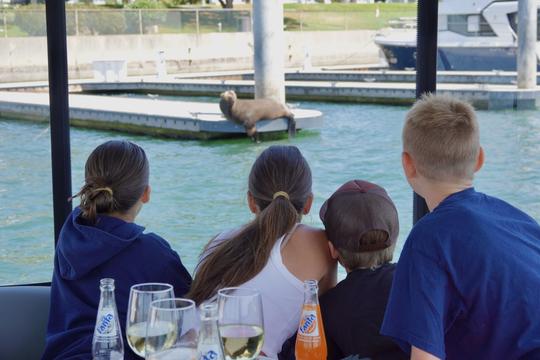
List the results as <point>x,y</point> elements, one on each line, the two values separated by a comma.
<point>20,23</point>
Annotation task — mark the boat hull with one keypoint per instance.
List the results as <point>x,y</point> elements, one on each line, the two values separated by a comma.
<point>401,57</point>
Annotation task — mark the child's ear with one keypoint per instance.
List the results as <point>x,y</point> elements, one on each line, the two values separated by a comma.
<point>307,205</point>
<point>333,251</point>
<point>146,194</point>
<point>409,168</point>
<point>480,160</point>
<point>252,204</point>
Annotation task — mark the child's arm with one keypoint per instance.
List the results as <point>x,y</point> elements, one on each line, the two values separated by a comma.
<point>417,354</point>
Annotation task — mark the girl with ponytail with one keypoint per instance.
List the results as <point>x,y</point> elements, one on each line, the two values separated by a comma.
<point>101,240</point>
<point>273,253</point>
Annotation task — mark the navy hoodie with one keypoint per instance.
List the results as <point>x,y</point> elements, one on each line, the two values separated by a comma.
<point>112,248</point>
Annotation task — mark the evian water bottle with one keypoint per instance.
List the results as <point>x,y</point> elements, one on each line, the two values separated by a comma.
<point>107,342</point>
<point>209,345</point>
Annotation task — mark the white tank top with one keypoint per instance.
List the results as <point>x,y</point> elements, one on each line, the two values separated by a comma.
<point>282,297</point>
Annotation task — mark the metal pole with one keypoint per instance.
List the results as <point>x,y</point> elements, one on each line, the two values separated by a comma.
<point>76,22</point>
<point>59,111</point>
<point>5,23</point>
<point>526,56</point>
<point>140,23</point>
<point>197,22</point>
<point>269,41</point>
<point>426,70</point>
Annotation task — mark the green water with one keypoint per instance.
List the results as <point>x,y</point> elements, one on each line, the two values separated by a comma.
<point>199,187</point>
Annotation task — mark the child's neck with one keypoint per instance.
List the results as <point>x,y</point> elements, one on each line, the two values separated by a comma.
<point>127,217</point>
<point>435,192</point>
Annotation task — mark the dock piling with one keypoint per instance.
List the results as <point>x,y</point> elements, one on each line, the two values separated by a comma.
<point>526,57</point>
<point>269,40</point>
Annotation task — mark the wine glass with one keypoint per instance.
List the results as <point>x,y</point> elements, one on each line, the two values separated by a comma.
<point>172,330</point>
<point>140,298</point>
<point>241,324</point>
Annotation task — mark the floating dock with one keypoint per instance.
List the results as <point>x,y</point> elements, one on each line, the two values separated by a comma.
<point>482,96</point>
<point>177,119</point>
<point>372,76</point>
<point>492,90</point>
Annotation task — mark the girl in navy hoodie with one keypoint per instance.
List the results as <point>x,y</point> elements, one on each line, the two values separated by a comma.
<point>100,240</point>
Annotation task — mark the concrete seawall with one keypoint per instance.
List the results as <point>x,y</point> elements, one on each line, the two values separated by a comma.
<point>25,58</point>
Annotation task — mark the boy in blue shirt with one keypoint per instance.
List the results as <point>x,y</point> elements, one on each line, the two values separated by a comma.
<point>467,284</point>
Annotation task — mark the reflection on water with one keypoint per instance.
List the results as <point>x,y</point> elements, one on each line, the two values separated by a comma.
<point>199,187</point>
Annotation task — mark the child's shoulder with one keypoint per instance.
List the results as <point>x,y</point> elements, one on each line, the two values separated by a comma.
<point>309,238</point>
<point>152,243</point>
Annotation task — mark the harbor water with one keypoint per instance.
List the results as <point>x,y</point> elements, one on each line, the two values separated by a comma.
<point>199,188</point>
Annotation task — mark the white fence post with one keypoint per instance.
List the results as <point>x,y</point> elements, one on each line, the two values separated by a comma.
<point>4,16</point>
<point>140,23</point>
<point>197,23</point>
<point>76,22</point>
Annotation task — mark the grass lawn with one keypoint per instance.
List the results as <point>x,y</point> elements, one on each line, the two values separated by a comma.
<point>298,17</point>
<point>337,16</point>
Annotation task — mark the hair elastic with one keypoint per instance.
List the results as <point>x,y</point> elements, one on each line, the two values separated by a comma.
<point>280,193</point>
<point>107,189</point>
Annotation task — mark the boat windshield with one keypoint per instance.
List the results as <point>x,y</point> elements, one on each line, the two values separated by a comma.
<point>513,19</point>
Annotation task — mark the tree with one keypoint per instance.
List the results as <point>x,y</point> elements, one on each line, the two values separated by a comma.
<point>227,4</point>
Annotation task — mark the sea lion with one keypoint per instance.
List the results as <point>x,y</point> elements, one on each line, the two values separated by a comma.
<point>248,112</point>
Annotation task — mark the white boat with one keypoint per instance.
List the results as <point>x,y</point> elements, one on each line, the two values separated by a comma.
<point>474,35</point>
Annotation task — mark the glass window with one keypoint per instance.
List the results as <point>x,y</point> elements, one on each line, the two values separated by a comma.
<point>469,25</point>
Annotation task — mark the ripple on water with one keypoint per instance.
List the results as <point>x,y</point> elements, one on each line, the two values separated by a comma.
<point>199,187</point>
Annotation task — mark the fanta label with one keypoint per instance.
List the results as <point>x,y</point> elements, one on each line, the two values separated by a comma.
<point>210,355</point>
<point>106,326</point>
<point>309,324</point>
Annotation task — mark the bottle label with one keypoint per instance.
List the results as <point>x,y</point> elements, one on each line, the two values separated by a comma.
<point>309,324</point>
<point>106,324</point>
<point>209,355</point>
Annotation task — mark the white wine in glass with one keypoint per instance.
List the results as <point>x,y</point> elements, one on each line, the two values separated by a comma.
<point>179,353</point>
<point>172,330</point>
<point>242,341</point>
<point>161,335</point>
<point>241,323</point>
<point>140,298</point>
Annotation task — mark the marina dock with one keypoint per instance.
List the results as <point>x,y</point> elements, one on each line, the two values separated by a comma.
<point>491,90</point>
<point>482,96</point>
<point>191,120</point>
<point>195,120</point>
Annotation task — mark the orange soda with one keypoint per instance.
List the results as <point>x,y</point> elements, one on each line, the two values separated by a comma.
<point>310,339</point>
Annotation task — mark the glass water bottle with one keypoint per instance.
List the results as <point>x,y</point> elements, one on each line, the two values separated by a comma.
<point>107,342</point>
<point>209,345</point>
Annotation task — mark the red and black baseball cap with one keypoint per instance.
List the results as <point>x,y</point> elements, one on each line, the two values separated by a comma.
<point>356,208</point>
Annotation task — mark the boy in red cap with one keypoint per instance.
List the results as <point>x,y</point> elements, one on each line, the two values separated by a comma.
<point>362,226</point>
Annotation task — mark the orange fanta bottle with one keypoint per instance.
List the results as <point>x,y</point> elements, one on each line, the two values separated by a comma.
<point>310,339</point>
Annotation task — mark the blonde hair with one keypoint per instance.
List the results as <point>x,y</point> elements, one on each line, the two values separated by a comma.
<point>366,259</point>
<point>441,134</point>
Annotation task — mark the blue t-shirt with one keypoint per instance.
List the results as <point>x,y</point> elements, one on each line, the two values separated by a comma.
<point>467,284</point>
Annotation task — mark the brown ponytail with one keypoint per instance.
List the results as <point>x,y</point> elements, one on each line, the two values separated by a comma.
<point>237,260</point>
<point>116,175</point>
